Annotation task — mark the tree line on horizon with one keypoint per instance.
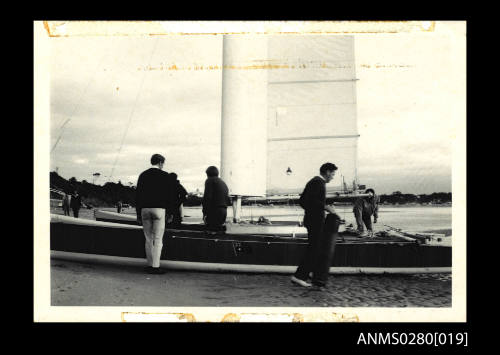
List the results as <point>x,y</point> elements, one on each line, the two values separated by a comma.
<point>110,193</point>
<point>106,195</point>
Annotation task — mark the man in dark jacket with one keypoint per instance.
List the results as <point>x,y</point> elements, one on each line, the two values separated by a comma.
<point>313,200</point>
<point>215,199</point>
<point>180,198</point>
<point>66,204</point>
<point>76,203</point>
<point>364,208</point>
<point>154,204</point>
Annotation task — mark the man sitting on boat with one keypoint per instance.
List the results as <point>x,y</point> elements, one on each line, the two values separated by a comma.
<point>313,200</point>
<point>154,201</point>
<point>180,194</point>
<point>215,199</point>
<point>364,208</point>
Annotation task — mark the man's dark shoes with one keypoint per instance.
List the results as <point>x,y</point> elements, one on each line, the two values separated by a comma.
<point>147,268</point>
<point>156,271</point>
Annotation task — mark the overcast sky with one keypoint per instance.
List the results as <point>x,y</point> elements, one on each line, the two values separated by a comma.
<point>100,84</point>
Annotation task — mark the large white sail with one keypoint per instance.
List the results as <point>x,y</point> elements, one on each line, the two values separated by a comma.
<point>288,106</point>
<point>311,111</point>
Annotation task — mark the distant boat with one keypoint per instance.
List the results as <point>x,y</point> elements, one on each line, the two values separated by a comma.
<point>290,107</point>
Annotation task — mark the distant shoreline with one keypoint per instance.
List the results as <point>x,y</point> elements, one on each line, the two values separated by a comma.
<point>281,205</point>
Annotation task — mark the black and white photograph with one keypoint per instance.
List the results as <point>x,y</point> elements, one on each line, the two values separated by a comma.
<point>250,171</point>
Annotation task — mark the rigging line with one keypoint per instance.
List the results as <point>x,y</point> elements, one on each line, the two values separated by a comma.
<point>79,101</point>
<point>132,112</point>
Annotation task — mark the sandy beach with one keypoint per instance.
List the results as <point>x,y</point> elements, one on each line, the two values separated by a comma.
<point>80,284</point>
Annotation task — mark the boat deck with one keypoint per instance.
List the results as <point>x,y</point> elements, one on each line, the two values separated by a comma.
<point>278,231</point>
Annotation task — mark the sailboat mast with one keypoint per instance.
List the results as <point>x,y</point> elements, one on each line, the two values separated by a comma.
<point>244,117</point>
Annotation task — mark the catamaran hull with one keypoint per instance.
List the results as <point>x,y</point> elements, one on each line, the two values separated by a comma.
<point>200,250</point>
<point>216,267</point>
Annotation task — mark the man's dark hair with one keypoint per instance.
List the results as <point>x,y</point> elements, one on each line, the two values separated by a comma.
<point>157,159</point>
<point>370,190</point>
<point>327,167</point>
<point>212,171</point>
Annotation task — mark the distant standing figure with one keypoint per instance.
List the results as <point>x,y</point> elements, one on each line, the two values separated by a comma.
<point>317,256</point>
<point>119,206</point>
<point>180,198</point>
<point>65,204</point>
<point>364,208</point>
<point>154,204</point>
<point>215,199</point>
<point>76,203</point>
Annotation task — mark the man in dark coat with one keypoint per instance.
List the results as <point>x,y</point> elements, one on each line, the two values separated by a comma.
<point>215,199</point>
<point>180,198</point>
<point>313,200</point>
<point>364,209</point>
<point>66,203</point>
<point>154,205</point>
<point>76,203</point>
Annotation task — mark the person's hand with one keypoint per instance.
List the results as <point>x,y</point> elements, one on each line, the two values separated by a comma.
<point>205,219</point>
<point>170,217</point>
